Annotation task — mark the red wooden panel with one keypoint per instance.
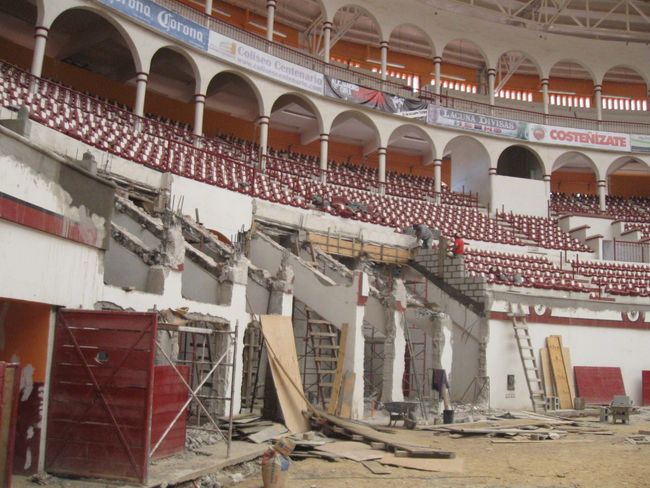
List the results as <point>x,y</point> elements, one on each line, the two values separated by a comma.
<point>645,384</point>
<point>101,395</point>
<point>170,394</point>
<point>12,405</point>
<point>598,385</point>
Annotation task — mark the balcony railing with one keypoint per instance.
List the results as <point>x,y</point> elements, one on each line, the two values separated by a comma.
<point>307,60</point>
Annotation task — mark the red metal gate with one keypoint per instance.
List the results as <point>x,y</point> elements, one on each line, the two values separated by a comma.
<point>99,419</point>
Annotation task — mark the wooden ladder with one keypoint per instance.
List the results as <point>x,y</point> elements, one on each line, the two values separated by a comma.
<point>528,360</point>
<point>323,339</point>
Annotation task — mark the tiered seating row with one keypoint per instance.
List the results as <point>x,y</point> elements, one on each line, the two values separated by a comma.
<point>544,232</point>
<point>617,279</point>
<point>634,209</point>
<point>521,271</point>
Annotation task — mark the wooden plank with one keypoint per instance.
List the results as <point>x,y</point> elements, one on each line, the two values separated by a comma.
<point>338,376</point>
<point>357,451</point>
<point>376,468</point>
<point>345,409</point>
<point>558,368</point>
<point>277,330</point>
<point>268,433</point>
<point>546,442</point>
<point>547,377</point>
<point>566,356</point>
<point>433,465</point>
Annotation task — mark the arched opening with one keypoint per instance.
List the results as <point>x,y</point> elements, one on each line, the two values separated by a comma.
<point>571,87</point>
<point>624,89</point>
<point>172,75</point>
<point>410,57</point>
<point>295,130</point>
<point>409,168</point>
<point>574,184</point>
<point>90,53</point>
<point>356,35</point>
<point>628,177</point>
<point>233,105</point>
<point>470,163</point>
<point>517,78</point>
<point>18,20</point>
<point>520,162</point>
<point>464,68</point>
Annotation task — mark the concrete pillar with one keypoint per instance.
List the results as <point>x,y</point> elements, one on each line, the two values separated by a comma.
<point>598,101</point>
<point>492,172</point>
<point>394,344</point>
<point>437,62</point>
<point>40,40</point>
<point>437,179</point>
<point>602,195</point>
<point>382,169</point>
<point>199,107</point>
<point>140,93</point>
<point>208,7</point>
<point>383,47</point>
<point>545,94</point>
<point>263,122</point>
<point>324,147</point>
<point>270,19</point>
<point>355,344</point>
<point>327,42</point>
<point>492,75</point>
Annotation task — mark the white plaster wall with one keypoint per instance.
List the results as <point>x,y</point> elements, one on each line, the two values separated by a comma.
<point>521,196</point>
<point>596,225</point>
<point>39,267</point>
<point>589,346</point>
<point>219,209</point>
<point>469,171</point>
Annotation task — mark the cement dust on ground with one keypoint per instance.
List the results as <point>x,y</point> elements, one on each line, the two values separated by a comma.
<point>592,461</point>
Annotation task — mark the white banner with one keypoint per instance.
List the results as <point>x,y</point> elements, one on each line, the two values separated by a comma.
<point>248,57</point>
<point>578,137</point>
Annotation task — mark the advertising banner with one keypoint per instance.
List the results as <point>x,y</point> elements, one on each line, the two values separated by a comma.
<point>640,142</point>
<point>265,64</point>
<point>566,136</point>
<point>476,122</point>
<point>370,98</point>
<point>163,20</point>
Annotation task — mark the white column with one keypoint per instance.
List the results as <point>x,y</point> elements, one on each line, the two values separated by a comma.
<point>270,18</point>
<point>199,107</point>
<point>492,172</point>
<point>40,39</point>
<point>394,345</point>
<point>437,179</point>
<point>208,7</point>
<point>327,41</point>
<point>324,147</point>
<point>383,47</point>
<point>382,169</point>
<point>598,101</point>
<point>545,94</point>
<point>263,122</point>
<point>140,92</point>
<point>602,195</point>
<point>437,62</point>
<point>492,74</point>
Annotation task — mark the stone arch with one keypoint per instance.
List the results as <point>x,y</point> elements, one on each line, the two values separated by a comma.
<point>412,139</point>
<point>470,166</point>
<point>520,161</point>
<point>295,112</point>
<point>524,66</point>
<point>124,33</point>
<point>342,10</point>
<point>569,79</point>
<point>628,176</point>
<point>574,172</point>
<point>226,90</point>
<point>169,56</point>
<point>470,62</point>
<point>624,88</point>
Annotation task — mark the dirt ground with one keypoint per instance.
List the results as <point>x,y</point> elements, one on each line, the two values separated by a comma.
<point>588,461</point>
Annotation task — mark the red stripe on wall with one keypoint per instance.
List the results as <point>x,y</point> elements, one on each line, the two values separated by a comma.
<point>548,319</point>
<point>24,213</point>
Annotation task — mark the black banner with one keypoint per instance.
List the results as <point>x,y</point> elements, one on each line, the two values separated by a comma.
<point>368,97</point>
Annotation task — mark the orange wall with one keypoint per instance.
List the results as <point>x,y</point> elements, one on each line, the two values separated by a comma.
<point>629,185</point>
<point>25,329</point>
<point>573,182</point>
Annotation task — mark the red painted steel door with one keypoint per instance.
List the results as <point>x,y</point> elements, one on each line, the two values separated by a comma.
<point>99,419</point>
